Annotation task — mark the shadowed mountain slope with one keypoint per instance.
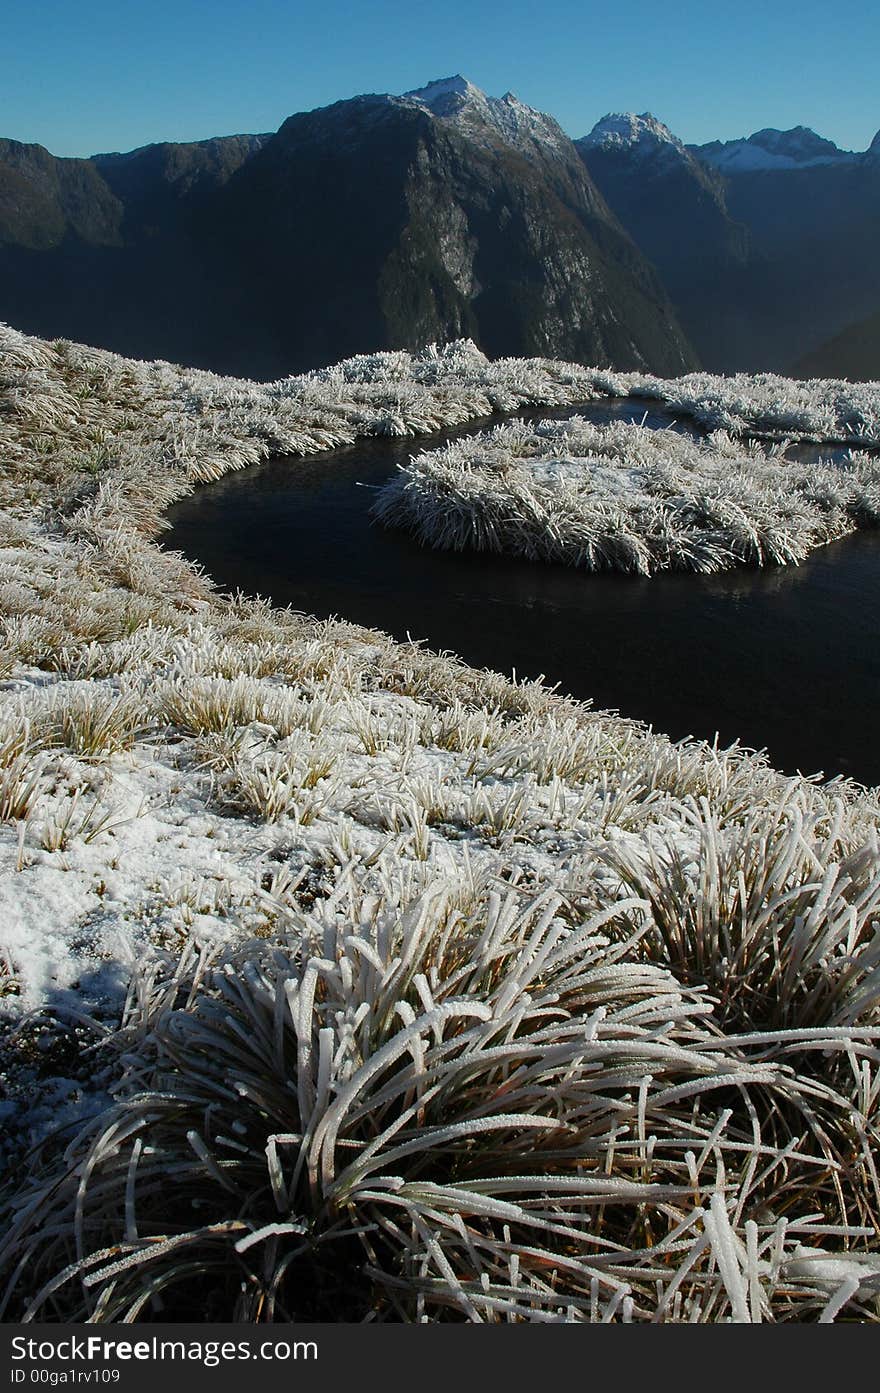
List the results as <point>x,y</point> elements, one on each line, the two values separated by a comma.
<point>766,245</point>
<point>379,222</point>
<point>674,207</point>
<point>855,354</point>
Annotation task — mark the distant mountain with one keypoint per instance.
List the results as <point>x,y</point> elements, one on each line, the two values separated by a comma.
<point>151,182</point>
<point>675,208</point>
<point>44,200</point>
<point>854,354</point>
<point>391,221</point>
<point>767,245</point>
<point>814,223</point>
<point>378,222</point>
<point>799,148</point>
<point>107,250</point>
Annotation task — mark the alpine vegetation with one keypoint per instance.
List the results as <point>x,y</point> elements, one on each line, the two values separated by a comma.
<point>339,980</point>
<point>404,1112</point>
<point>762,404</point>
<point>620,497</point>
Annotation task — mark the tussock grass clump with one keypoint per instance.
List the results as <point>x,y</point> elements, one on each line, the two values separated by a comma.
<point>9,984</point>
<point>562,747</point>
<point>201,705</point>
<point>20,770</point>
<point>69,820</point>
<point>778,913</point>
<point>141,651</point>
<point>91,721</point>
<point>454,727</point>
<point>293,780</point>
<point>761,404</point>
<point>621,497</point>
<point>19,785</point>
<point>31,639</point>
<point>766,404</point>
<point>412,1114</point>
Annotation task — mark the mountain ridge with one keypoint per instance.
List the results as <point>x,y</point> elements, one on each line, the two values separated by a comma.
<point>448,212</point>
<point>765,244</point>
<point>380,221</point>
<point>797,148</point>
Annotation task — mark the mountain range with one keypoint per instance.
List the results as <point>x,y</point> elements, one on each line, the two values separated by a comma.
<point>766,245</point>
<point>392,221</point>
<point>378,222</point>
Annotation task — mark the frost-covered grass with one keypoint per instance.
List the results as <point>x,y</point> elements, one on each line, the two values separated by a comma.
<point>121,439</point>
<point>408,1110</point>
<point>621,497</point>
<point>827,410</point>
<point>338,979</point>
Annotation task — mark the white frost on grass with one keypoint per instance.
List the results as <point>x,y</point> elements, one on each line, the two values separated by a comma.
<point>620,497</point>
<point>829,410</point>
<point>180,835</point>
<point>314,922</point>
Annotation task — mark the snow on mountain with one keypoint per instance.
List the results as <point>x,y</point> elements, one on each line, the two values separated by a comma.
<point>453,87</point>
<point>798,148</point>
<point>623,130</point>
<point>800,143</point>
<point>466,106</point>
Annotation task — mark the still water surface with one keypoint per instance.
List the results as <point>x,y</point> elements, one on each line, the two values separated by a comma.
<point>785,659</point>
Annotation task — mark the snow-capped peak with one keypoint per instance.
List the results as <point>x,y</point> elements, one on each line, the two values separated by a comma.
<point>623,130</point>
<point>798,148</point>
<point>439,92</point>
<point>466,106</point>
<point>800,144</point>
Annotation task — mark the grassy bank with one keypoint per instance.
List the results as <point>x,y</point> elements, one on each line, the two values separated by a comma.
<point>341,980</point>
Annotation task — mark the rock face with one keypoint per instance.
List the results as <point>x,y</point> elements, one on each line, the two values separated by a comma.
<point>766,245</point>
<point>378,222</point>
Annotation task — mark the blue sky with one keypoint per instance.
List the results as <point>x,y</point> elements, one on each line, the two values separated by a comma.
<point>109,74</point>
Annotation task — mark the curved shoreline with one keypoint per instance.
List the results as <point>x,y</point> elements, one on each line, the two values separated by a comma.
<point>201,790</point>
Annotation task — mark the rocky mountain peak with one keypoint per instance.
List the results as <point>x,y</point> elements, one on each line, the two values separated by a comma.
<point>800,144</point>
<point>447,95</point>
<point>624,130</point>
<point>464,105</point>
<point>797,148</point>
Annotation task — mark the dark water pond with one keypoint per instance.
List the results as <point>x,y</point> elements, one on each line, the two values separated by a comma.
<point>784,659</point>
